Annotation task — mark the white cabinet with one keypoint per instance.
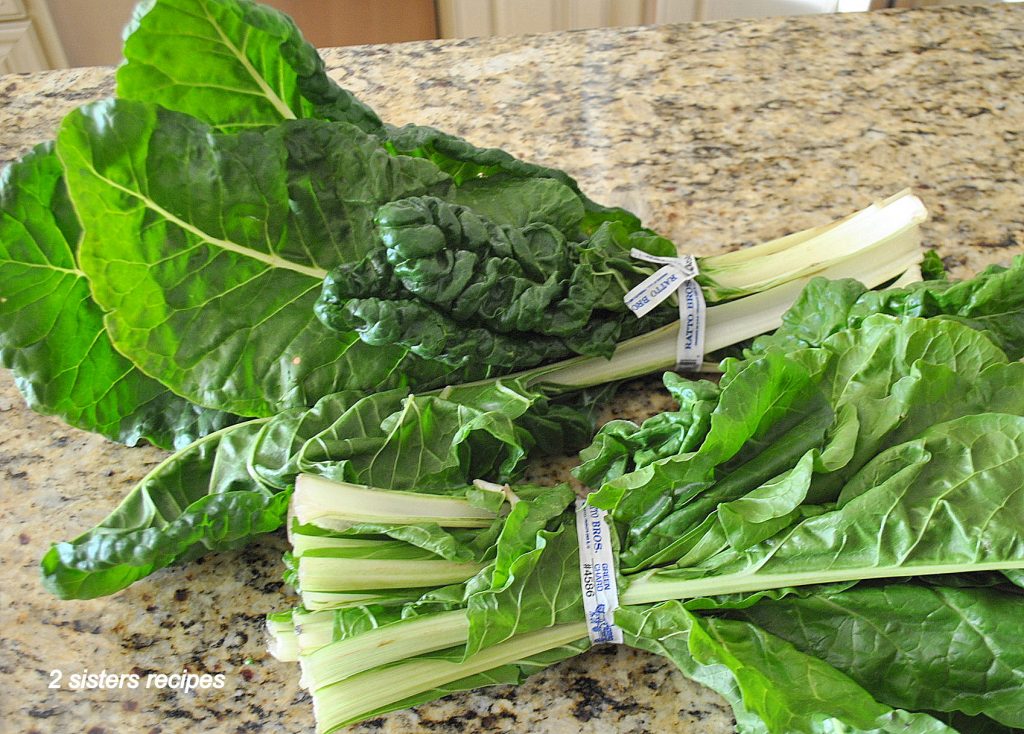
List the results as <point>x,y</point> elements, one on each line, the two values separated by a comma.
<point>28,41</point>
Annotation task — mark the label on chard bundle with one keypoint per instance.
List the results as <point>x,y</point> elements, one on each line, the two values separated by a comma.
<point>597,573</point>
<point>690,343</point>
<point>662,284</point>
<point>677,275</point>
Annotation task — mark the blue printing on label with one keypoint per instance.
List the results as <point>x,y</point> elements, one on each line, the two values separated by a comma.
<point>692,312</point>
<point>597,573</point>
<point>677,274</point>
<point>655,289</point>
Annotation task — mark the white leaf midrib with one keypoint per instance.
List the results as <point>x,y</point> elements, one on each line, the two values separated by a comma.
<point>283,109</point>
<point>269,259</point>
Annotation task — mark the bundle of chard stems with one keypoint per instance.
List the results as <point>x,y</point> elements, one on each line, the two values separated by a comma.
<point>831,535</point>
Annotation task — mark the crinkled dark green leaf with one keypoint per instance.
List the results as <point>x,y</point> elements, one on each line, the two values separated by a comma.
<point>517,202</point>
<point>453,285</point>
<point>465,162</point>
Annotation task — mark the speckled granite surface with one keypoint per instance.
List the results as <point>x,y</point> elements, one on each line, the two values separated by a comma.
<point>718,134</point>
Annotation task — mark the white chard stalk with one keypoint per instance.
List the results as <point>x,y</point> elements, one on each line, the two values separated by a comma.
<point>874,246</point>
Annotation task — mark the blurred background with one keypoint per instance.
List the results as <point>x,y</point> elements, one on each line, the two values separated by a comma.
<point>55,34</point>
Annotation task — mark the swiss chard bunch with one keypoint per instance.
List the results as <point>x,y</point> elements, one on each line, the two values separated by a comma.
<point>829,512</point>
<point>162,259</point>
<point>160,263</point>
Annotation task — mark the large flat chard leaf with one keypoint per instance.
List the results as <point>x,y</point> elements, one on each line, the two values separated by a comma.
<point>207,250</point>
<point>237,64</point>
<point>228,487</point>
<point>913,645</point>
<point>52,333</point>
<point>179,510</point>
<point>231,63</point>
<point>773,688</point>
<point>218,492</point>
<point>948,502</point>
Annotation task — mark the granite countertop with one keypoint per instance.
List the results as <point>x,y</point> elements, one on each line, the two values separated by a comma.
<point>718,134</point>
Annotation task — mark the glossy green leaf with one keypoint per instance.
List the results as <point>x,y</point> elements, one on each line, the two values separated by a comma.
<point>914,646</point>
<point>534,581</point>
<point>466,163</point>
<point>232,63</point>
<point>507,200</point>
<point>863,390</point>
<point>178,511</point>
<point>773,688</point>
<point>991,302</point>
<point>207,250</point>
<point>948,502</point>
<point>426,442</point>
<point>52,333</point>
<point>230,486</point>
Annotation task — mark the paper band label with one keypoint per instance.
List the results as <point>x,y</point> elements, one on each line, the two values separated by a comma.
<point>597,573</point>
<point>690,343</point>
<point>686,264</point>
<point>666,281</point>
<point>655,289</point>
<point>677,274</point>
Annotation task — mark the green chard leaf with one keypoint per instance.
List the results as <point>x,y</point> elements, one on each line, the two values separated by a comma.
<point>180,510</point>
<point>187,231</point>
<point>863,390</point>
<point>52,333</point>
<point>234,64</point>
<point>517,202</point>
<point>230,486</point>
<point>468,164</point>
<point>534,581</point>
<point>773,688</point>
<point>944,503</point>
<point>663,504</point>
<point>426,443</point>
<point>914,646</point>
<point>453,285</point>
<point>992,302</point>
